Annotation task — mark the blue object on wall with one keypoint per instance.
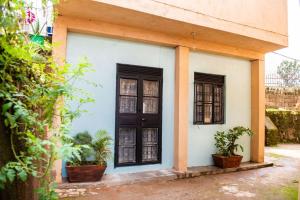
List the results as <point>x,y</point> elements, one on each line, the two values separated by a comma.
<point>49,30</point>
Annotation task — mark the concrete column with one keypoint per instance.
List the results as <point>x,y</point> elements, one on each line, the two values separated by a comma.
<point>257,110</point>
<point>59,41</point>
<point>181,109</point>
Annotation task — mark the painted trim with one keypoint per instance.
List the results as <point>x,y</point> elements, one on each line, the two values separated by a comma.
<point>181,111</point>
<point>143,35</point>
<point>257,110</point>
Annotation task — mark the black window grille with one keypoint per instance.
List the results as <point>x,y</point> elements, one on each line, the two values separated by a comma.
<point>209,99</point>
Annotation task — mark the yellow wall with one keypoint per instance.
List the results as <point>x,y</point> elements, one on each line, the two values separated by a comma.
<point>256,25</point>
<point>255,13</point>
<point>261,19</point>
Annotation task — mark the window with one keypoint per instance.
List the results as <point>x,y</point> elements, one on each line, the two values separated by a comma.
<point>208,99</point>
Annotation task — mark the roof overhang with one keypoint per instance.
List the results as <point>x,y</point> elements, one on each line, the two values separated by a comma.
<point>244,37</point>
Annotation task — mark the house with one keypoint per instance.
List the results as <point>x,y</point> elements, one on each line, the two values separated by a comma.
<point>172,74</point>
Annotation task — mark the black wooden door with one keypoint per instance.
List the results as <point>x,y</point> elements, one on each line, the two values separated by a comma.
<point>138,115</point>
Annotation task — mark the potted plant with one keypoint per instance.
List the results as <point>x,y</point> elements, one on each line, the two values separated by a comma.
<point>226,145</point>
<point>90,165</point>
<point>36,35</point>
<point>36,29</point>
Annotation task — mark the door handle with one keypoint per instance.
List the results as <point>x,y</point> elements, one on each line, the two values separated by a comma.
<point>144,119</point>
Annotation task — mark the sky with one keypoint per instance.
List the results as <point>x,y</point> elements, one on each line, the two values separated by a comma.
<point>293,50</point>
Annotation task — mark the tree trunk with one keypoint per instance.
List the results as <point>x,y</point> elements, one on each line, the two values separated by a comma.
<point>17,190</point>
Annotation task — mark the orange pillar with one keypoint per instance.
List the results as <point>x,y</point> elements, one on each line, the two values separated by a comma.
<point>257,110</point>
<point>59,41</point>
<point>181,109</point>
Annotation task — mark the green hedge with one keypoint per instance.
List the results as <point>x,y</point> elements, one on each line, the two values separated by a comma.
<point>288,124</point>
<point>272,137</point>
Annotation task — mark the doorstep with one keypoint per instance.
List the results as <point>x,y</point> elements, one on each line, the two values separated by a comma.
<point>123,179</point>
<point>210,170</point>
<point>77,189</point>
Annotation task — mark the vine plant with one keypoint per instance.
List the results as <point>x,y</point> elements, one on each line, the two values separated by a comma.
<point>34,95</point>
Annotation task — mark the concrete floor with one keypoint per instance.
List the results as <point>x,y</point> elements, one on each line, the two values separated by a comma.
<point>279,182</point>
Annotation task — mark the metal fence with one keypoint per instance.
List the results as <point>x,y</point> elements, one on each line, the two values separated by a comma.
<point>274,80</point>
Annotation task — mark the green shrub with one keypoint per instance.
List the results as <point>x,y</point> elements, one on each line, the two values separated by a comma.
<point>101,146</point>
<point>83,138</point>
<point>94,150</point>
<point>272,137</point>
<point>288,124</point>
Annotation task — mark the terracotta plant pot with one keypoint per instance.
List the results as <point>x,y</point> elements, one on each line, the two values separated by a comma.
<point>85,173</point>
<point>227,162</point>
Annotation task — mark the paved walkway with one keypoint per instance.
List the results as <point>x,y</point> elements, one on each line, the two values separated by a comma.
<point>279,182</point>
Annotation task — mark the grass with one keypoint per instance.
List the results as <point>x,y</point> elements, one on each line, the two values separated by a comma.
<point>290,192</point>
<point>275,155</point>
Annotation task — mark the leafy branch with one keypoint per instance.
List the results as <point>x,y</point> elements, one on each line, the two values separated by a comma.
<point>35,92</point>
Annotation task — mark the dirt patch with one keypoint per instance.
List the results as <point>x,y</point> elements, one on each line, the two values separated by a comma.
<point>272,183</point>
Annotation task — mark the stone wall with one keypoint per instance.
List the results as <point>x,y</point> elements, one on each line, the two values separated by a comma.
<point>286,98</point>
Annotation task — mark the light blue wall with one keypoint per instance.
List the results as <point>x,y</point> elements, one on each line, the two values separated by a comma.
<point>237,109</point>
<point>104,53</point>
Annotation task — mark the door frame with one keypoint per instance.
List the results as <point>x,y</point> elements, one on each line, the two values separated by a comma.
<point>139,73</point>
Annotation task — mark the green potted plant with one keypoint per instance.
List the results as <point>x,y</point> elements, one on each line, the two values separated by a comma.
<point>91,164</point>
<point>36,36</point>
<point>35,28</point>
<point>226,156</point>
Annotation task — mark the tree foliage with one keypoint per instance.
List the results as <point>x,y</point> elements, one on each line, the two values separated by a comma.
<point>32,108</point>
<point>289,72</point>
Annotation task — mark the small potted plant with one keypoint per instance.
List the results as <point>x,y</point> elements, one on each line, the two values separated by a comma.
<point>36,29</point>
<point>226,145</point>
<point>91,164</point>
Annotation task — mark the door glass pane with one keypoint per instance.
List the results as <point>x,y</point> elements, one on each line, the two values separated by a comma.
<point>150,144</point>
<point>128,104</point>
<point>151,88</point>
<point>127,145</point>
<point>128,95</point>
<point>150,105</point>
<point>207,113</point>
<point>128,87</point>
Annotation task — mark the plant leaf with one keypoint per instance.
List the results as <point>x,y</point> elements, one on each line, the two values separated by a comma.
<point>6,106</point>
<point>11,174</point>
<point>22,175</point>
<point>2,178</point>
